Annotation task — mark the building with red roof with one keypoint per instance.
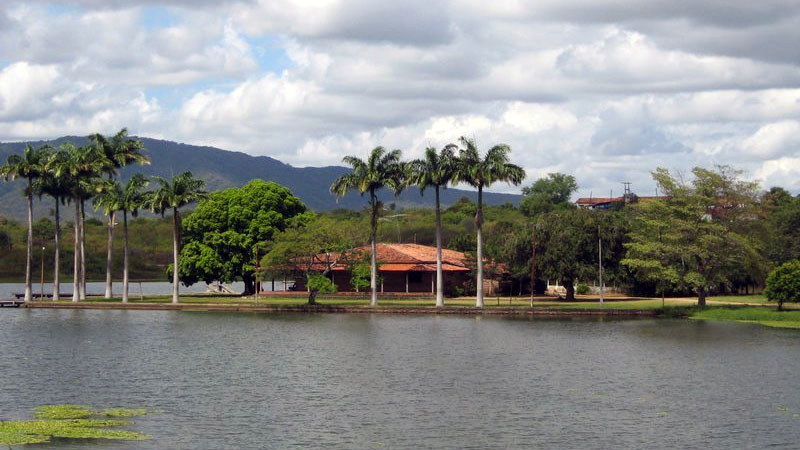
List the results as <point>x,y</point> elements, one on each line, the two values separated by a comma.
<point>403,268</point>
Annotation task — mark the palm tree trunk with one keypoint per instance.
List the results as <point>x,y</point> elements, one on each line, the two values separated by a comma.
<point>373,282</point>
<point>83,250</point>
<point>175,229</point>
<point>57,255</point>
<point>29,257</point>
<point>439,274</point>
<point>76,257</point>
<point>479,261</point>
<point>109,255</point>
<point>125,256</point>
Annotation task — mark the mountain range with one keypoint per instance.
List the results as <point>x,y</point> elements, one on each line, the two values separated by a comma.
<point>222,168</point>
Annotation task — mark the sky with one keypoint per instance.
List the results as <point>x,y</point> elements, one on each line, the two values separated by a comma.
<point>605,90</point>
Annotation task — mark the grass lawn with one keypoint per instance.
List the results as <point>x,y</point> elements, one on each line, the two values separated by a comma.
<point>754,298</point>
<point>492,302</point>
<point>753,314</point>
<point>741,308</point>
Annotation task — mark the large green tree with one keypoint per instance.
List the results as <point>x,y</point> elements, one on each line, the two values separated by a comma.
<point>30,166</point>
<point>435,170</point>
<point>313,246</point>
<point>783,225</point>
<point>546,194</point>
<point>481,172</point>
<point>697,236</point>
<point>171,195</point>
<point>225,232</point>
<point>381,169</point>
<point>568,243</point>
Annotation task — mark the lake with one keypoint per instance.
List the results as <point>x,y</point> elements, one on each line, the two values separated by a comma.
<point>7,290</point>
<point>395,381</point>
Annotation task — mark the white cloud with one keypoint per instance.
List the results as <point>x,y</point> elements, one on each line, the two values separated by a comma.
<point>783,172</point>
<point>25,90</point>
<point>775,140</point>
<point>605,90</point>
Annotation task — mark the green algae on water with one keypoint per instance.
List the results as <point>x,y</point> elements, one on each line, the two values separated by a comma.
<point>123,412</point>
<point>54,421</point>
<point>63,412</point>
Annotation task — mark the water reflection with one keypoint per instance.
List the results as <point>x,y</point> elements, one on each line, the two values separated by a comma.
<point>396,381</point>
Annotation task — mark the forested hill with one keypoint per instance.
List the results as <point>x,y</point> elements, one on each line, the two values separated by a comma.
<point>222,168</point>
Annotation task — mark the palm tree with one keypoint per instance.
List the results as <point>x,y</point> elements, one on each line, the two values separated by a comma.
<point>381,169</point>
<point>58,188</point>
<point>174,194</point>
<point>435,170</point>
<point>79,166</point>
<point>29,165</point>
<point>119,151</point>
<point>131,200</point>
<point>109,199</point>
<point>481,172</point>
<point>116,153</point>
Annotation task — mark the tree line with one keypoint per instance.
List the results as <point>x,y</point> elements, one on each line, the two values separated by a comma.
<point>78,174</point>
<point>710,231</point>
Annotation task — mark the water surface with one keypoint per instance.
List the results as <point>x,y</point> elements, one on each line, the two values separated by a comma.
<point>135,288</point>
<point>393,381</point>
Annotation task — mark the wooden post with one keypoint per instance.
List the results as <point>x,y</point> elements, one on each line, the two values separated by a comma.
<point>41,286</point>
<point>406,282</point>
<point>600,262</point>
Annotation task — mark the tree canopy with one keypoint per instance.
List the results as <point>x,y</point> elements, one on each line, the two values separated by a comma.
<point>224,232</point>
<point>568,240</point>
<point>313,246</point>
<point>783,283</point>
<point>696,236</point>
<point>549,193</point>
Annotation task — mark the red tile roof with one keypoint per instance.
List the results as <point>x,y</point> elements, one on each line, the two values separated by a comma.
<point>411,257</point>
<point>597,200</point>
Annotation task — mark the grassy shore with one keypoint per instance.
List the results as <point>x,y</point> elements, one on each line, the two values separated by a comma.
<point>748,309</point>
<point>753,314</point>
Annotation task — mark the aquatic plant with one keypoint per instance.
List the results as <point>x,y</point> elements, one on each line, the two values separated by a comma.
<point>62,412</point>
<point>68,421</point>
<point>123,412</point>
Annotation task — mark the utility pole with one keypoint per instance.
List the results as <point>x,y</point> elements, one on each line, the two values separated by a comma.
<point>255,283</point>
<point>600,262</point>
<point>533,265</point>
<point>41,286</point>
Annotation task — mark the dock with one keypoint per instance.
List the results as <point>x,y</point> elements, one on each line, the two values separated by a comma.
<point>19,295</point>
<point>11,303</point>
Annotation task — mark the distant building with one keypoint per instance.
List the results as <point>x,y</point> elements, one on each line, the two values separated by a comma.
<point>404,268</point>
<point>609,202</point>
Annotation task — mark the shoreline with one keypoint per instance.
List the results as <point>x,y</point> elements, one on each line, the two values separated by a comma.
<point>339,309</point>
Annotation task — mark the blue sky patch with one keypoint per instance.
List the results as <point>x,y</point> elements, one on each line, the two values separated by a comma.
<point>268,51</point>
<point>61,10</point>
<point>158,17</point>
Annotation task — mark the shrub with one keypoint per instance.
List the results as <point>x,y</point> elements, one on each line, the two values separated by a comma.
<point>783,284</point>
<point>582,289</point>
<point>321,284</point>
